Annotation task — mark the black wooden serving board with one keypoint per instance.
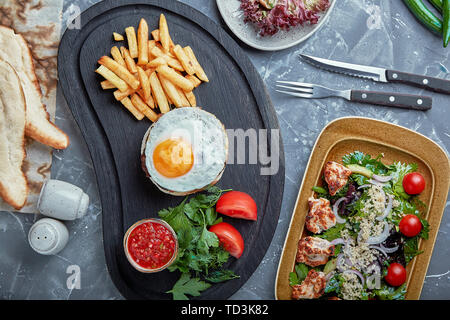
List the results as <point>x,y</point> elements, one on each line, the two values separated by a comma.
<point>235,94</point>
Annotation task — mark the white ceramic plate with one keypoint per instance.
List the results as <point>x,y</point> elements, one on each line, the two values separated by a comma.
<point>246,32</point>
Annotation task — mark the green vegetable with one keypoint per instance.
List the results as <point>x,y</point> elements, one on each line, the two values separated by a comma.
<point>301,271</point>
<point>319,190</point>
<point>330,266</point>
<point>446,24</point>
<point>185,285</point>
<point>390,293</point>
<point>355,168</point>
<point>221,276</point>
<point>334,284</point>
<point>424,15</point>
<point>332,233</point>
<point>437,4</point>
<point>198,249</point>
<point>398,171</point>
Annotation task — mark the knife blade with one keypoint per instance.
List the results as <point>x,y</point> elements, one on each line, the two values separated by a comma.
<point>380,74</point>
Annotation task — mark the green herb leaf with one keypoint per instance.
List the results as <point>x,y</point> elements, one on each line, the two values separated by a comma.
<point>221,276</point>
<point>333,233</point>
<point>187,286</point>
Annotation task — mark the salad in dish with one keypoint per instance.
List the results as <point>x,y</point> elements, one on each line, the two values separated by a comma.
<point>271,16</point>
<point>363,229</point>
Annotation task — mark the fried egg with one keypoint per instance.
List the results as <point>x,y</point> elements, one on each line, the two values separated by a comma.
<point>185,151</point>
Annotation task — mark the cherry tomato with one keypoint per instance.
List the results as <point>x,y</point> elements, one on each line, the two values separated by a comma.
<point>410,225</point>
<point>413,183</point>
<point>237,204</point>
<point>396,275</point>
<point>230,238</point>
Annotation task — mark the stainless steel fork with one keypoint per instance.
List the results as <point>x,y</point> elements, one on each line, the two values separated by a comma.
<point>315,91</point>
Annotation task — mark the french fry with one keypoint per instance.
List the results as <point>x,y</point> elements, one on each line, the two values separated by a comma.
<point>156,62</point>
<point>106,85</point>
<point>112,77</point>
<point>185,61</point>
<point>115,53</point>
<point>169,53</point>
<point>198,68</point>
<point>171,91</point>
<point>150,102</point>
<point>132,42</point>
<point>143,108</point>
<point>195,81</point>
<point>149,71</point>
<point>118,36</point>
<point>119,95</point>
<point>175,78</point>
<point>191,98</point>
<point>129,61</point>
<point>184,100</point>
<point>164,33</point>
<point>157,52</point>
<point>145,83</point>
<point>143,42</point>
<point>120,71</point>
<point>155,35</point>
<point>129,105</point>
<point>158,93</point>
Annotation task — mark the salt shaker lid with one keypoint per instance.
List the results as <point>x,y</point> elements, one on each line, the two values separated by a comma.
<point>48,236</point>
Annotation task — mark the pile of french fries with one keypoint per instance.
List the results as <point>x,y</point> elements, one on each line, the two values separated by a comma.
<point>164,74</point>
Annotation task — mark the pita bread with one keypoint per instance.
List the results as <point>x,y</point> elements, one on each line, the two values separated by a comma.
<point>13,183</point>
<point>14,50</point>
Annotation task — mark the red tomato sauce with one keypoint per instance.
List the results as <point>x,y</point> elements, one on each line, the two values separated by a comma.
<point>151,245</point>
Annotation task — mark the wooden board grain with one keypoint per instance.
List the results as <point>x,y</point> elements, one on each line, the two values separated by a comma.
<point>235,94</point>
<point>373,137</point>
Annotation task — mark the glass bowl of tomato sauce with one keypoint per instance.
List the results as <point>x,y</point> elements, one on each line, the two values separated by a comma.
<point>150,245</point>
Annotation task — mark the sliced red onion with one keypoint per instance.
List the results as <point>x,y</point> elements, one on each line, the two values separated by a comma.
<point>381,178</point>
<point>364,186</point>
<point>377,183</point>
<point>379,249</point>
<point>389,250</point>
<point>388,207</point>
<point>381,237</point>
<point>359,274</point>
<point>338,241</point>
<point>336,209</point>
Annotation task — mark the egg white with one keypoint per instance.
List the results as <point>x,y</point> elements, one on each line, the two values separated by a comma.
<point>209,141</point>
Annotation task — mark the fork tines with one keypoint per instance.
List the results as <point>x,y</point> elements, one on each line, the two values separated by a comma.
<point>305,88</point>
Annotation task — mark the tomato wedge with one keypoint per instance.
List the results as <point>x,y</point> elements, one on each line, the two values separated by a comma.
<point>230,238</point>
<point>237,204</point>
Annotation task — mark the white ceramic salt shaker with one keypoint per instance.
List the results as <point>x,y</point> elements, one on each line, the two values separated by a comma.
<point>62,200</point>
<point>48,236</point>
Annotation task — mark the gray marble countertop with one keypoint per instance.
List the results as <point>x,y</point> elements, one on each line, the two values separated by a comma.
<point>397,41</point>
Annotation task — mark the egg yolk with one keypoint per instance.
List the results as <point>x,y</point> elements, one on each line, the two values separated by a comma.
<point>173,157</point>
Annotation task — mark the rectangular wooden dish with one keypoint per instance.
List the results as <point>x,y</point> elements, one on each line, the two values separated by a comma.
<point>373,137</point>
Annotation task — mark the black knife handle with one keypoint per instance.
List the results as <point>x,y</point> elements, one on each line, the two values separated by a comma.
<point>405,101</point>
<point>430,83</point>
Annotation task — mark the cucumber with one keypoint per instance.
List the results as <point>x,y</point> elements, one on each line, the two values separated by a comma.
<point>424,15</point>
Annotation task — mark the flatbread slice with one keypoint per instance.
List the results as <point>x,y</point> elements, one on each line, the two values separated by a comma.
<point>13,183</point>
<point>14,50</point>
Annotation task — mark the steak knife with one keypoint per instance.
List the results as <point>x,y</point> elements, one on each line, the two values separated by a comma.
<point>380,74</point>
